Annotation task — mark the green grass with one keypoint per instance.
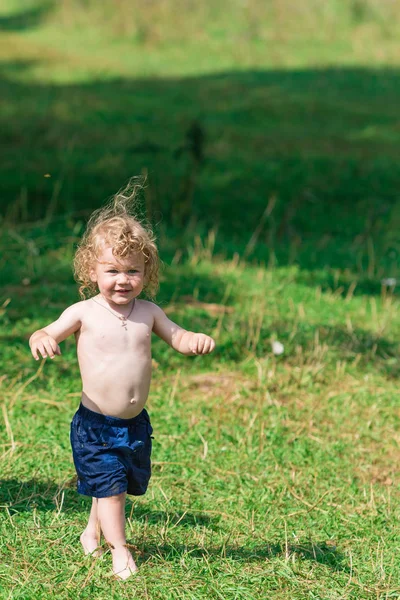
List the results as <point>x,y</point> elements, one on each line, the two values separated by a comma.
<point>275,477</point>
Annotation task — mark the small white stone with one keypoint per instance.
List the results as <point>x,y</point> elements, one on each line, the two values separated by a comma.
<point>389,281</point>
<point>277,348</point>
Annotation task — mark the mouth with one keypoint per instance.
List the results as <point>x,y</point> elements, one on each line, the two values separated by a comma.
<point>122,291</point>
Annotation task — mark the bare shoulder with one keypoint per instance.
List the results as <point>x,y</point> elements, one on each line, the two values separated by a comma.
<point>68,322</point>
<point>77,310</point>
<point>83,306</point>
<point>148,307</point>
<point>152,313</point>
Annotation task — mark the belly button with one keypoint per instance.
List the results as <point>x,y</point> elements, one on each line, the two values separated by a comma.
<point>132,401</point>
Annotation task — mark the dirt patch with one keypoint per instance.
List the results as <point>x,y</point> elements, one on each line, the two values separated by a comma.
<point>219,383</point>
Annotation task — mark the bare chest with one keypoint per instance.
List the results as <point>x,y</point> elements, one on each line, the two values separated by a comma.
<point>106,334</point>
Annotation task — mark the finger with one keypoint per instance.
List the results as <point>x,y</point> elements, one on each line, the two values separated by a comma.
<point>42,350</point>
<point>212,345</point>
<point>35,353</point>
<point>207,346</point>
<point>200,345</point>
<point>49,348</point>
<point>53,345</point>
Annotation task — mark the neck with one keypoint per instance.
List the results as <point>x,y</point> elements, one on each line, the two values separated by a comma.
<point>118,307</point>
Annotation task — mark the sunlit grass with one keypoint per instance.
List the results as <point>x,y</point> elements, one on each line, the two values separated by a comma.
<point>273,475</point>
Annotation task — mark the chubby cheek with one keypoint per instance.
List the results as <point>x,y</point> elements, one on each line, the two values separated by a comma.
<point>101,281</point>
<point>108,282</point>
<point>139,283</point>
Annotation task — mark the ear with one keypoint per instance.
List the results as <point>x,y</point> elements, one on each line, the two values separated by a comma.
<point>93,275</point>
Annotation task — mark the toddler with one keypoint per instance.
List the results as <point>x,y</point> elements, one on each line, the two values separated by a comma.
<point>116,260</point>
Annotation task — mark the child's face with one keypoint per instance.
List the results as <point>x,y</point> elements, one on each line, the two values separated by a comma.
<point>119,279</point>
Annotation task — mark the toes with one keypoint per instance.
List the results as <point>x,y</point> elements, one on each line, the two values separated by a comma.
<point>91,547</point>
<point>125,573</point>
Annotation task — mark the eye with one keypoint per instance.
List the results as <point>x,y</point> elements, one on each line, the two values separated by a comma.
<point>112,271</point>
<point>133,271</point>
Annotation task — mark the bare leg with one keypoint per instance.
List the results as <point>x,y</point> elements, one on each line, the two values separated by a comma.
<point>90,538</point>
<point>111,514</point>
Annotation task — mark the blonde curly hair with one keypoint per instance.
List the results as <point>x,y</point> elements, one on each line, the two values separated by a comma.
<point>116,226</point>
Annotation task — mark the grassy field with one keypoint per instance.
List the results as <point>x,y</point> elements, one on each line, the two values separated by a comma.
<point>272,160</point>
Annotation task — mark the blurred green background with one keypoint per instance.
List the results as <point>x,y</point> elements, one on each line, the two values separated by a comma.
<point>246,115</point>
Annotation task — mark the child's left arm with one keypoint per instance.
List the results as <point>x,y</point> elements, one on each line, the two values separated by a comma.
<point>185,342</point>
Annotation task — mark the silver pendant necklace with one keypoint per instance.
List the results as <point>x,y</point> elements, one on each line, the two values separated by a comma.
<point>120,317</point>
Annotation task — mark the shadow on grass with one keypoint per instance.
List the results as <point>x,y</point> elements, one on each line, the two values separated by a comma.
<point>287,134</point>
<point>320,552</point>
<point>22,497</point>
<point>26,20</point>
<point>368,349</point>
<point>342,287</point>
<point>184,520</point>
<point>308,343</point>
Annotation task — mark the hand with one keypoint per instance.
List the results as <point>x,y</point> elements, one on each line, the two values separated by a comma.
<point>201,344</point>
<point>44,345</point>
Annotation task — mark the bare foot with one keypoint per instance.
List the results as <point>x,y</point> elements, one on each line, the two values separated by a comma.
<point>90,543</point>
<point>123,564</point>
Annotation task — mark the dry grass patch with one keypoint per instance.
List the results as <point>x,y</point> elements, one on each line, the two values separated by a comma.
<point>224,384</point>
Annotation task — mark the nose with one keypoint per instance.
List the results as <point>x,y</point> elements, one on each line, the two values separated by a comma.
<point>123,278</point>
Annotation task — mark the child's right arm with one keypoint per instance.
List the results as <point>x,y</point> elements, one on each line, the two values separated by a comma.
<point>45,341</point>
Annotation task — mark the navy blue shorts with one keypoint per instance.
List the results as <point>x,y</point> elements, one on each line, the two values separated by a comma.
<point>111,455</point>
